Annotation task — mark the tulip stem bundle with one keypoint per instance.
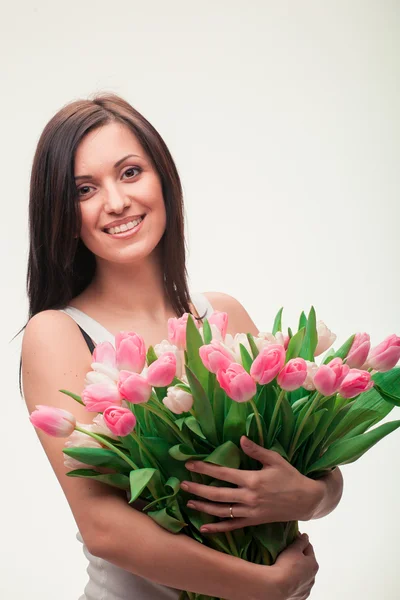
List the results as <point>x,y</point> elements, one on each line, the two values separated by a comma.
<point>110,446</point>
<point>275,416</point>
<point>258,421</point>
<point>302,425</point>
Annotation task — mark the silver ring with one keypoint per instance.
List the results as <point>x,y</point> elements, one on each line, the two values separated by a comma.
<point>231,512</point>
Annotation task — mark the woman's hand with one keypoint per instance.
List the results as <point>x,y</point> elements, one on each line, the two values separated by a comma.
<point>277,492</point>
<point>295,570</point>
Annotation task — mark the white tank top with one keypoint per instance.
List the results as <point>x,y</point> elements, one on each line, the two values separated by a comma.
<point>106,580</point>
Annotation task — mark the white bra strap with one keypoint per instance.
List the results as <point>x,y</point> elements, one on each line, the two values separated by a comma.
<point>93,328</point>
<point>202,304</point>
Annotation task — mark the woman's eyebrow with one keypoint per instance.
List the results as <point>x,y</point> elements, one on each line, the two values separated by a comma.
<point>121,160</point>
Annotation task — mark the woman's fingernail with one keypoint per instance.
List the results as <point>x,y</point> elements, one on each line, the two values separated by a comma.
<point>184,486</point>
<point>189,465</point>
<point>191,504</point>
<point>204,529</point>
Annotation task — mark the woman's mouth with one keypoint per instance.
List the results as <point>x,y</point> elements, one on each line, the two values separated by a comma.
<point>126,229</point>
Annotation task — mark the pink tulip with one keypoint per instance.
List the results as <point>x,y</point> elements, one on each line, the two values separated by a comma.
<point>134,387</point>
<point>268,363</point>
<point>177,330</point>
<point>120,421</point>
<point>130,351</point>
<point>220,319</point>
<point>104,353</point>
<point>328,378</point>
<point>359,351</point>
<point>385,355</point>
<point>237,383</point>
<point>293,374</point>
<point>216,356</point>
<point>53,421</point>
<point>161,372</point>
<point>98,396</point>
<point>356,382</point>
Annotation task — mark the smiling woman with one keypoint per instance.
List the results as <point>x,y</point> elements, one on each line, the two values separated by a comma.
<point>107,253</point>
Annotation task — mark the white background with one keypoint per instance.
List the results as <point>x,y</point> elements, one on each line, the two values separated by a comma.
<point>283,119</point>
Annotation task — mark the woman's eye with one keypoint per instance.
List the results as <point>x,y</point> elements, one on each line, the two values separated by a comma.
<point>128,171</point>
<point>84,187</point>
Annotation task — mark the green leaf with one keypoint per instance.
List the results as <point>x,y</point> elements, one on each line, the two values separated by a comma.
<point>114,479</point>
<point>348,450</point>
<point>165,520</point>
<point>151,356</point>
<point>193,342</point>
<point>74,396</point>
<point>99,457</point>
<point>183,452</point>
<point>311,337</point>
<point>369,401</point>
<point>207,333</point>
<point>295,344</point>
<point>272,537</point>
<point>302,321</point>
<point>172,488</point>
<point>235,422</point>
<point>310,426</point>
<point>342,352</point>
<point>277,322</point>
<point>192,424</point>
<point>252,344</point>
<point>160,450</point>
<point>226,455</point>
<point>247,361</point>
<point>388,385</point>
<point>288,423</point>
<point>202,407</point>
<point>142,478</point>
<point>219,408</point>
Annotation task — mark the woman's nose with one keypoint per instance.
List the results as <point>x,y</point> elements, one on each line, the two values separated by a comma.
<point>116,201</point>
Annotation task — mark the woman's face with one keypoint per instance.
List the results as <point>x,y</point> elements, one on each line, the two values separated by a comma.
<point>117,184</point>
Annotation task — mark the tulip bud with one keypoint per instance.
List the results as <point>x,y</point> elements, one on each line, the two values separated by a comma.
<point>120,421</point>
<point>53,421</point>
<point>177,400</point>
<point>328,378</point>
<point>386,355</point>
<point>130,351</point>
<point>98,396</point>
<point>237,383</point>
<point>359,351</point>
<point>134,387</point>
<point>325,338</point>
<point>216,356</point>
<point>356,382</point>
<point>268,363</point>
<point>162,371</point>
<point>293,374</point>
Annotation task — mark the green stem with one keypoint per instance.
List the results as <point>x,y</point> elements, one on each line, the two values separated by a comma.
<point>302,424</point>
<point>109,445</point>
<point>231,543</point>
<point>275,416</point>
<point>166,420</point>
<point>258,421</point>
<point>144,450</point>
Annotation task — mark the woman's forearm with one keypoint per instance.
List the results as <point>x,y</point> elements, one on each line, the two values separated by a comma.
<point>134,542</point>
<point>330,492</point>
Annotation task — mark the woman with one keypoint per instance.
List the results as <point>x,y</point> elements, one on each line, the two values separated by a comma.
<point>107,248</point>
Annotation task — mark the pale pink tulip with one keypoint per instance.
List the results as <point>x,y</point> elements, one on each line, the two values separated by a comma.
<point>53,421</point>
<point>166,346</point>
<point>215,333</point>
<point>282,338</point>
<point>359,351</point>
<point>329,378</point>
<point>293,374</point>
<point>325,338</point>
<point>177,330</point>
<point>81,440</point>
<point>312,368</point>
<point>96,377</point>
<point>98,396</point>
<point>134,387</point>
<point>216,356</point>
<point>385,355</point>
<point>130,351</point>
<point>72,464</point>
<point>162,371</point>
<point>237,383</point>
<point>220,319</point>
<point>99,426</point>
<point>356,382</point>
<point>178,400</point>
<point>268,363</point>
<point>104,353</point>
<point>120,421</point>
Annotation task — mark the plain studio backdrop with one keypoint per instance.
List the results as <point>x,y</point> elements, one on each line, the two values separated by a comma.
<point>283,120</point>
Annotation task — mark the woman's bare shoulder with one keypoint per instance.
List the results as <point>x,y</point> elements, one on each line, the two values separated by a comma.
<point>239,320</point>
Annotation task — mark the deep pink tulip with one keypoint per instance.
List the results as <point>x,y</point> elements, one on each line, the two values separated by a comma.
<point>359,351</point>
<point>162,371</point>
<point>177,330</point>
<point>293,374</point>
<point>215,356</point>
<point>385,355</point>
<point>356,382</point>
<point>237,383</point>
<point>53,421</point>
<point>104,353</point>
<point>328,378</point>
<point>133,387</point>
<point>268,363</point>
<point>220,319</point>
<point>99,396</point>
<point>120,421</point>
<point>131,351</point>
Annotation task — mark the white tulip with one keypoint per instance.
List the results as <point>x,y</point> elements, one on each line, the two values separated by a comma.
<point>325,338</point>
<point>177,400</point>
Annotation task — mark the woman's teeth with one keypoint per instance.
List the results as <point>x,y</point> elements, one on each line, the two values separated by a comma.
<point>124,226</point>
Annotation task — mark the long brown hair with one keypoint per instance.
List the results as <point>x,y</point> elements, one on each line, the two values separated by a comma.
<point>60,266</point>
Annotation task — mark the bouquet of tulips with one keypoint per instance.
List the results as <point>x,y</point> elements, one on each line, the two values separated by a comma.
<point>194,395</point>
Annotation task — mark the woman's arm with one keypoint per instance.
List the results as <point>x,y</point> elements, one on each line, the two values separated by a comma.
<point>54,357</point>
